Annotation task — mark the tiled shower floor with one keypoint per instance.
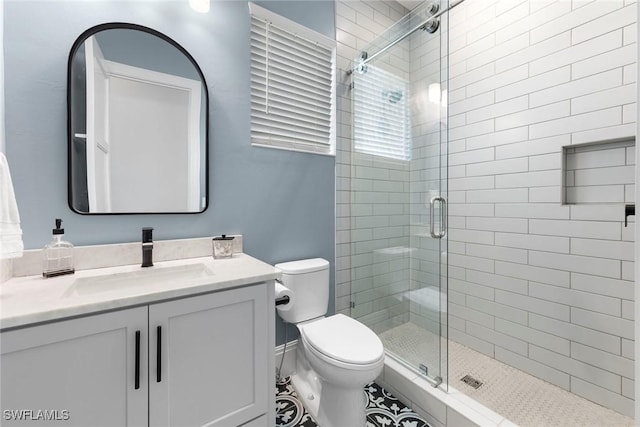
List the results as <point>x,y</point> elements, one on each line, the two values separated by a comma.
<point>517,396</point>
<point>383,409</point>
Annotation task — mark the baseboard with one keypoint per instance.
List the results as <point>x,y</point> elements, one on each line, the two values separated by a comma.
<point>289,363</point>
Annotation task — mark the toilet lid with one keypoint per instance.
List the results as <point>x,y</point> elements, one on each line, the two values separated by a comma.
<point>343,338</point>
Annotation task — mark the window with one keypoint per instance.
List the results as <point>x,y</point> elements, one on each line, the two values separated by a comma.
<point>382,114</point>
<point>292,85</point>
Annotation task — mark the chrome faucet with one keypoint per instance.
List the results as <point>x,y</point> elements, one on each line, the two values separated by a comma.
<point>147,246</point>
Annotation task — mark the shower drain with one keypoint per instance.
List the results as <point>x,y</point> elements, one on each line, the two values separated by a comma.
<point>469,380</point>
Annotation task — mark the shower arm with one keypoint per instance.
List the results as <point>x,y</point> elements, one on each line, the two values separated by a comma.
<point>404,36</point>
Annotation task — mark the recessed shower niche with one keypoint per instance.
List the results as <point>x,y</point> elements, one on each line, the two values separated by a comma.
<point>597,173</point>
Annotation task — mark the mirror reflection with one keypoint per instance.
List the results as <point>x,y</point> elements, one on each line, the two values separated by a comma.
<point>138,108</point>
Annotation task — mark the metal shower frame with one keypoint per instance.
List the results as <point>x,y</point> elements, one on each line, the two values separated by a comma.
<point>365,58</point>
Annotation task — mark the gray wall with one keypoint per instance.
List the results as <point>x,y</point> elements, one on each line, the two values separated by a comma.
<point>145,50</point>
<point>282,202</point>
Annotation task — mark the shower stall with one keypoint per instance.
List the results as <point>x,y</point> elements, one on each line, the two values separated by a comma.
<point>485,246</point>
<point>399,191</point>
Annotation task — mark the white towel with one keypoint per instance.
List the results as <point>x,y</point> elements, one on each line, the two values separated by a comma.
<point>11,245</point>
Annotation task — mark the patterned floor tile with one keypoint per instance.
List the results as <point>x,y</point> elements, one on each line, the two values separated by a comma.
<point>383,409</point>
<point>289,410</point>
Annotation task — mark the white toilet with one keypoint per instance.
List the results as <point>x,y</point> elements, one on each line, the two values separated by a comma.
<point>336,355</point>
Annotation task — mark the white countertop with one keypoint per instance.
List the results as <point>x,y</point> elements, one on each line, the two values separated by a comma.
<point>33,299</point>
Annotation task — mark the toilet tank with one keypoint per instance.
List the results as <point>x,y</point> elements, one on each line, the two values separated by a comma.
<point>308,279</point>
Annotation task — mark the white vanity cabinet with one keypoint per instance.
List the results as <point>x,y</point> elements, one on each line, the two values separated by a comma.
<point>201,360</point>
<point>82,369</point>
<point>213,367</point>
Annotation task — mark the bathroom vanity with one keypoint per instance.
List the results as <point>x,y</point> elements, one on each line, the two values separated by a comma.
<point>187,342</point>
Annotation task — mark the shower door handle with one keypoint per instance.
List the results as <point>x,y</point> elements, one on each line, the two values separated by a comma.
<point>443,215</point>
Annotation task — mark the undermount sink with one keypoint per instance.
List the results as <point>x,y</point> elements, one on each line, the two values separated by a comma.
<point>152,276</point>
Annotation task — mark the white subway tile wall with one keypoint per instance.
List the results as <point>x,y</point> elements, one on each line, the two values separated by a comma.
<point>544,286</point>
<point>373,192</point>
<point>540,76</point>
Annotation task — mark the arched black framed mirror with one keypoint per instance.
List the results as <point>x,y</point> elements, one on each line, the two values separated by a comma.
<point>138,110</point>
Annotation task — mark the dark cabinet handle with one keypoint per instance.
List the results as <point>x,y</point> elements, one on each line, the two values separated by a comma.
<point>159,354</point>
<point>137,365</point>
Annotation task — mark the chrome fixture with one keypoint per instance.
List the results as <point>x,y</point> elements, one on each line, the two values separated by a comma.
<point>443,215</point>
<point>362,63</point>
<point>424,25</point>
<point>393,96</point>
<point>470,381</point>
<point>432,25</point>
<point>433,8</point>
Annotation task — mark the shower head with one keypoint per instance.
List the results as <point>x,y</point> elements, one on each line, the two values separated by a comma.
<point>393,96</point>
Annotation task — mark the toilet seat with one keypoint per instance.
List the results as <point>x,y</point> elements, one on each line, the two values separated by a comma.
<point>343,341</point>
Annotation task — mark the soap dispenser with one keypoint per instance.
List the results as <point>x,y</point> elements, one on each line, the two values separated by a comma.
<point>57,255</point>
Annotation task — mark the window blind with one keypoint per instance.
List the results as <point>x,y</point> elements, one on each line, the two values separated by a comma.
<point>292,87</point>
<point>382,117</point>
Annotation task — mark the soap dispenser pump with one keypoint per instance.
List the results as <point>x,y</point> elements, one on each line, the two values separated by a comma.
<point>58,255</point>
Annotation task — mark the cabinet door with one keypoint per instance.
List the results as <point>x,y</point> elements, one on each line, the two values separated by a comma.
<point>80,372</point>
<point>213,359</point>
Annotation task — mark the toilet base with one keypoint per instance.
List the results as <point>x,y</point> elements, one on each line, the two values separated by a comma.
<point>331,406</point>
<point>332,391</point>
<point>340,407</point>
<point>308,394</point>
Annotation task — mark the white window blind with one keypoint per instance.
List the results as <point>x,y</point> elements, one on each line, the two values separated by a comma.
<point>382,117</point>
<point>292,85</point>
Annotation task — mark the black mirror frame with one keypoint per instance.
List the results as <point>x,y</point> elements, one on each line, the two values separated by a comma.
<point>74,48</point>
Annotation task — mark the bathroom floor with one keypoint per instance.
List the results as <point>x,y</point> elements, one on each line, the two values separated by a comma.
<point>516,395</point>
<point>383,409</point>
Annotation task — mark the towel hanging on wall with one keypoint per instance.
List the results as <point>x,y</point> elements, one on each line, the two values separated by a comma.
<point>11,245</point>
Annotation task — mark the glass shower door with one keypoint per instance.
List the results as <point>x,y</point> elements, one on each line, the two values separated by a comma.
<point>398,195</point>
